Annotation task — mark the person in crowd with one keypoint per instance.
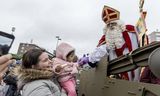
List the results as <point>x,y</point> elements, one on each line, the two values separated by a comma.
<point>8,82</point>
<point>35,75</point>
<point>65,66</point>
<point>118,39</point>
<point>148,77</point>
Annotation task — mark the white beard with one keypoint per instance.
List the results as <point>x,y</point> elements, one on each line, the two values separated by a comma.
<point>114,37</point>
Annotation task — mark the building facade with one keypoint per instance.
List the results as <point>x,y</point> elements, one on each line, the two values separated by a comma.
<point>154,36</point>
<point>24,47</point>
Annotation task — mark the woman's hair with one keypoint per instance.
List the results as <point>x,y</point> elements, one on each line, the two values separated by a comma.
<point>31,57</point>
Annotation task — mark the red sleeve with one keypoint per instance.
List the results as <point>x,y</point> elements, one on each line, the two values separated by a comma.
<point>101,41</point>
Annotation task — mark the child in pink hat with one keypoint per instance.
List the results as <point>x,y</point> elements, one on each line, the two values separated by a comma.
<point>65,66</point>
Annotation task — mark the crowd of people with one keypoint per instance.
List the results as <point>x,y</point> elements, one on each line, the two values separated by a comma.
<point>38,75</point>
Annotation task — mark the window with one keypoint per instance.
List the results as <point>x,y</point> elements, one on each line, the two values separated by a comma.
<point>21,51</point>
<point>22,48</point>
<point>158,34</point>
<point>158,38</point>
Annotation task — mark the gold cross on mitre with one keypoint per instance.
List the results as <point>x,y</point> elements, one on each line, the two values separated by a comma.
<point>110,14</point>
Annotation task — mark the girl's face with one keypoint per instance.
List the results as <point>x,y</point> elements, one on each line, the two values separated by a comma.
<point>72,57</point>
<point>44,61</point>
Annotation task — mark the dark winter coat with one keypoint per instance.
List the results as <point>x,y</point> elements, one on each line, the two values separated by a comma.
<point>148,77</point>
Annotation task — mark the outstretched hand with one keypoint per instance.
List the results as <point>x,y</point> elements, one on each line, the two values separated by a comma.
<point>83,60</point>
<point>5,60</point>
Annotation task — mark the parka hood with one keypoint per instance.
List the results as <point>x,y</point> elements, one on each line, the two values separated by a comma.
<point>62,50</point>
<point>27,75</point>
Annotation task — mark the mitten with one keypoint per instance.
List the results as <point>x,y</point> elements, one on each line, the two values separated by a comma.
<point>83,60</point>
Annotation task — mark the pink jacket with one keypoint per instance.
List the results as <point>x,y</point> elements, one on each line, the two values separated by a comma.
<point>70,69</point>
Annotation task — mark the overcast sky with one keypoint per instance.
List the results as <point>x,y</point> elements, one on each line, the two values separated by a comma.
<point>77,22</point>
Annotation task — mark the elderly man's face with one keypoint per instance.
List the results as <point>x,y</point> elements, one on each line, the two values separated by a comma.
<point>111,25</point>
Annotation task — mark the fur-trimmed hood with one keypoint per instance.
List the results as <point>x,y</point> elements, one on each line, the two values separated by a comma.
<point>27,75</point>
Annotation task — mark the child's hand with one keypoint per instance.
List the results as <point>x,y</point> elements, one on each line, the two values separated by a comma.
<point>58,69</point>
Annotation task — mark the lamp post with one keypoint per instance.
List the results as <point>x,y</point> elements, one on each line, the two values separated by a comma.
<point>13,29</point>
<point>58,38</point>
